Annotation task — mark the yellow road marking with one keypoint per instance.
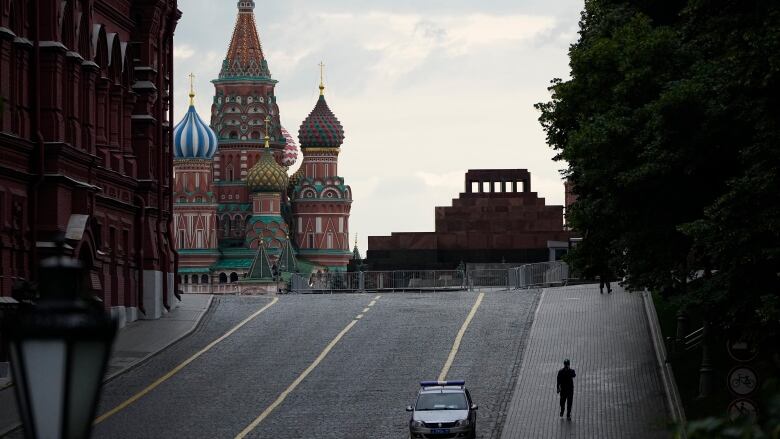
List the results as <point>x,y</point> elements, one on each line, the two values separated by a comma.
<point>459,337</point>
<point>178,368</point>
<point>366,309</point>
<point>373,302</point>
<point>295,383</point>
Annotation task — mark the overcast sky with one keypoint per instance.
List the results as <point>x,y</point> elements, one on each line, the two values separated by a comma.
<point>425,89</point>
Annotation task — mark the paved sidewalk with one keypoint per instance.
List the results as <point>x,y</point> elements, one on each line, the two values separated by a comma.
<point>135,343</point>
<point>618,392</point>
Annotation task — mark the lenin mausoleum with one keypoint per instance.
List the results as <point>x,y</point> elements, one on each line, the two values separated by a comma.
<point>86,146</point>
<point>242,224</point>
<point>497,219</point>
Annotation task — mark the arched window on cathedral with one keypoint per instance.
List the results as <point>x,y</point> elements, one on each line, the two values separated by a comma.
<point>234,135</point>
<point>222,278</point>
<point>230,172</point>
<point>195,278</point>
<point>226,225</point>
<point>233,277</point>
<point>204,279</point>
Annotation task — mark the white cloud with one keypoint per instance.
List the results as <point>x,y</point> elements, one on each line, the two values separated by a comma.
<point>449,180</point>
<point>183,51</point>
<point>405,41</point>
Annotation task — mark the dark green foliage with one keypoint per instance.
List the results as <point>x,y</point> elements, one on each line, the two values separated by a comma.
<point>670,125</point>
<point>720,428</point>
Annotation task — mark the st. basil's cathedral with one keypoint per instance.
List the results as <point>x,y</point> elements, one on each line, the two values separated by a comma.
<point>241,221</point>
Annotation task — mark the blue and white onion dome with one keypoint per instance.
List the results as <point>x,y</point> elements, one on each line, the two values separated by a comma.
<point>192,138</point>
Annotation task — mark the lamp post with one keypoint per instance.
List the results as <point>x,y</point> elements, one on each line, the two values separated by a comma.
<point>59,351</point>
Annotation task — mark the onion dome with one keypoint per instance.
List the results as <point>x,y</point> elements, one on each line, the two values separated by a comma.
<point>290,152</point>
<point>267,175</point>
<point>321,129</point>
<point>192,138</point>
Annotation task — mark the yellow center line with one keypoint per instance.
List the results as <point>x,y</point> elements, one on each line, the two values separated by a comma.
<point>295,383</point>
<point>366,309</point>
<point>459,337</point>
<point>178,368</point>
<point>373,302</point>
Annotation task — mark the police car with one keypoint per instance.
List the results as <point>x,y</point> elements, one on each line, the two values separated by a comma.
<point>443,409</point>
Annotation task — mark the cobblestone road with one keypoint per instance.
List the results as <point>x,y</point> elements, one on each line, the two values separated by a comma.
<point>617,392</point>
<point>359,390</point>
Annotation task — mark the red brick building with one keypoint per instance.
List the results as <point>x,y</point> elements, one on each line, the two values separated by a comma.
<point>497,219</point>
<point>85,145</point>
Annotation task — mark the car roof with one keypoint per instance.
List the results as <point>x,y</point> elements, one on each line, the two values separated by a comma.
<point>442,389</point>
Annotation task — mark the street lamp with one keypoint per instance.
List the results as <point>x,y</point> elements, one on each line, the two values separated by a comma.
<point>59,351</point>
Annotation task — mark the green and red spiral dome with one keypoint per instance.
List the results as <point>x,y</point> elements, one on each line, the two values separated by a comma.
<point>321,129</point>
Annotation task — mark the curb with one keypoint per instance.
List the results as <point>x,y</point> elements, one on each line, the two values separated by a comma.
<point>140,362</point>
<point>153,354</point>
<point>673,401</point>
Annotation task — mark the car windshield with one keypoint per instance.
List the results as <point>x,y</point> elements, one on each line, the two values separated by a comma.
<point>441,401</point>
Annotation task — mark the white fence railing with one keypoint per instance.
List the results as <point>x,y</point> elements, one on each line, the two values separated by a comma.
<point>525,276</point>
<point>543,274</point>
<point>420,280</point>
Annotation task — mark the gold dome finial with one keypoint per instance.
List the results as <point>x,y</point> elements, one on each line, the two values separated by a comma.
<point>322,78</point>
<point>267,138</point>
<point>192,89</point>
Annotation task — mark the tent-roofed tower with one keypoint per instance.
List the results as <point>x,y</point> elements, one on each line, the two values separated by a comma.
<point>244,97</point>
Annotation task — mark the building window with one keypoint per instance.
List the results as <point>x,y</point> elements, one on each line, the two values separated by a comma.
<point>318,225</point>
<point>222,278</point>
<point>341,224</point>
<point>300,225</point>
<point>195,279</point>
<point>233,277</point>
<point>197,181</point>
<point>311,240</point>
<point>204,279</point>
<point>181,239</point>
<point>330,240</point>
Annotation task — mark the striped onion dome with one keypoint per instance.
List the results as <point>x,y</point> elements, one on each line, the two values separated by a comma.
<point>290,152</point>
<point>192,138</point>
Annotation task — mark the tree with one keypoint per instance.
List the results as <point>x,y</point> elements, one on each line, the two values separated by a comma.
<point>670,129</point>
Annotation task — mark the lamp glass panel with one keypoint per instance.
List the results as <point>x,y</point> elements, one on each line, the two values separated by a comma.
<point>44,363</point>
<point>87,359</point>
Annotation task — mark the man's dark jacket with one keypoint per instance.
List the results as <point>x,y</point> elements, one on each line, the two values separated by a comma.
<point>566,380</point>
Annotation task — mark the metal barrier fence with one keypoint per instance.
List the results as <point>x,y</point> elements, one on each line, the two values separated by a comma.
<point>526,276</point>
<point>378,281</point>
<point>543,274</point>
<point>489,278</point>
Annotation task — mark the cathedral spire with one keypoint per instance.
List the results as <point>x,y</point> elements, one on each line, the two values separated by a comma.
<point>192,89</point>
<point>322,78</point>
<point>245,57</point>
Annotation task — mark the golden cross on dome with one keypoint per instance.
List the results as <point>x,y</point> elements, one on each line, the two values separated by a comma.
<point>192,88</point>
<point>267,123</point>
<point>322,78</point>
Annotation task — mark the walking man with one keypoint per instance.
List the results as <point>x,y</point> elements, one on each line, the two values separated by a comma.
<point>566,387</point>
<point>605,280</point>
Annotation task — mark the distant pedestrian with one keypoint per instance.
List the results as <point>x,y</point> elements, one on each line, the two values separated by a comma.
<point>605,278</point>
<point>566,387</point>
